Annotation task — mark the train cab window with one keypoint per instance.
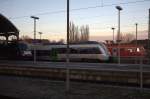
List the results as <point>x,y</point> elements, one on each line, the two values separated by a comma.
<point>22,46</point>
<point>130,50</point>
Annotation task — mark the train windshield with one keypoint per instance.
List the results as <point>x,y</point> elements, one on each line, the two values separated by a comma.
<point>23,46</point>
<point>105,49</point>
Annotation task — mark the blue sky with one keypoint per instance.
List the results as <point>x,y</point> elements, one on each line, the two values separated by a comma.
<point>100,19</point>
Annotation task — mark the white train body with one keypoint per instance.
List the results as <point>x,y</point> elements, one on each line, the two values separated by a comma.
<point>79,52</point>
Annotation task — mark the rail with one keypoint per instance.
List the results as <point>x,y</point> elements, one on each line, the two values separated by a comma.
<point>135,73</point>
<point>132,60</point>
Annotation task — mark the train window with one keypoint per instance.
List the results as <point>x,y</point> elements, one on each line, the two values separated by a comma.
<point>114,50</point>
<point>63,50</point>
<point>130,50</point>
<point>60,50</point>
<point>122,49</point>
<point>79,50</point>
<point>89,51</point>
<point>73,51</point>
<point>96,51</point>
<point>82,51</point>
<point>138,49</point>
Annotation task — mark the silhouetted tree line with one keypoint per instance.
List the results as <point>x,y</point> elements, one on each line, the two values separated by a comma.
<point>78,34</point>
<point>126,38</point>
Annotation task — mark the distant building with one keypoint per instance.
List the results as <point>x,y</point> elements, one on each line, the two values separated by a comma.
<point>42,41</point>
<point>38,41</point>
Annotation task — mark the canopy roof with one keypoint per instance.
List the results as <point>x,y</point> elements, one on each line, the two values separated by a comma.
<point>7,28</point>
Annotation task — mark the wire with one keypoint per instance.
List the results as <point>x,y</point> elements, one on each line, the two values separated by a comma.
<point>93,17</point>
<point>124,26</point>
<point>85,8</point>
<point>92,7</point>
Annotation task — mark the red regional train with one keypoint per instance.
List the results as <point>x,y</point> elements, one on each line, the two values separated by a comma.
<point>127,50</point>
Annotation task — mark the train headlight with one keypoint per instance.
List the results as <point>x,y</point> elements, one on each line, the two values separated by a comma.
<point>27,53</point>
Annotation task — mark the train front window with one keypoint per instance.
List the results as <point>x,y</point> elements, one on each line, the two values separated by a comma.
<point>105,48</point>
<point>130,50</point>
<point>23,47</point>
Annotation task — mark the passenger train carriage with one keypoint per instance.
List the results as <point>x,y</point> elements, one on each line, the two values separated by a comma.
<point>84,51</point>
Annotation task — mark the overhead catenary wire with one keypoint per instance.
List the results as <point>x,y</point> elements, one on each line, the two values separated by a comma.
<point>84,8</point>
<point>125,26</point>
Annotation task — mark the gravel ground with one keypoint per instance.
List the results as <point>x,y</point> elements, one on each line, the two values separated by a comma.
<point>35,88</point>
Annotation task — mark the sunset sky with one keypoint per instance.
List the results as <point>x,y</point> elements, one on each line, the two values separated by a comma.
<point>100,15</point>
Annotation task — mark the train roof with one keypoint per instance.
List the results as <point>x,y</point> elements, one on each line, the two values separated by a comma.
<point>86,42</point>
<point>124,45</point>
<point>75,43</point>
<point>83,44</point>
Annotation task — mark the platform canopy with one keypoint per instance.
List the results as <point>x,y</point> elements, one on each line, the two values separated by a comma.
<point>7,28</point>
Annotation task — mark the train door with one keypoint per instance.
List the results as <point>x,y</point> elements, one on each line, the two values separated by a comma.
<point>54,54</point>
<point>114,52</point>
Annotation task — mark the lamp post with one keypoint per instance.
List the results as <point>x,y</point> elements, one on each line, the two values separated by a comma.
<point>136,32</point>
<point>40,33</point>
<point>148,35</point>
<point>136,27</point>
<point>34,18</point>
<point>113,33</point>
<point>118,36</point>
<point>136,37</point>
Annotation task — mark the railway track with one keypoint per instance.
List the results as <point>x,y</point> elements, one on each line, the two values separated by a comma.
<point>125,74</point>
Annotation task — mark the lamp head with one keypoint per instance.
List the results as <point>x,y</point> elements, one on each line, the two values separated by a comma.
<point>112,28</point>
<point>34,17</point>
<point>119,8</point>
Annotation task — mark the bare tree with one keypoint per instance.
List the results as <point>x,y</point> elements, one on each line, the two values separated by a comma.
<point>82,32</point>
<point>25,37</point>
<point>61,41</point>
<point>129,37</point>
<point>72,32</point>
<point>78,33</point>
<point>87,32</point>
<point>126,38</point>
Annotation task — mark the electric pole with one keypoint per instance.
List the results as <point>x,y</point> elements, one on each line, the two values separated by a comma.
<point>149,35</point>
<point>68,51</point>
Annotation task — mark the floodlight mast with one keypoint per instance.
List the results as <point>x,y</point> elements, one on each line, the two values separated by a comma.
<point>34,18</point>
<point>118,35</point>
